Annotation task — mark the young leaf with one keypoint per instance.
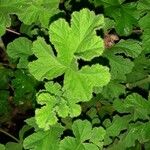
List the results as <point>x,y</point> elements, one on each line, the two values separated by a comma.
<point>83,131</point>
<point>55,104</point>
<point>20,49</point>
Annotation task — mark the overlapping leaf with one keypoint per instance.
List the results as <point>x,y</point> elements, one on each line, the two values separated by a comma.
<point>83,131</point>
<point>28,11</point>
<point>113,90</point>
<point>121,66</point>
<point>54,104</point>
<point>144,8</point>
<point>136,132</point>
<point>115,127</point>
<point>72,43</point>
<point>134,104</point>
<point>48,140</point>
<point>124,14</point>
<point>140,73</point>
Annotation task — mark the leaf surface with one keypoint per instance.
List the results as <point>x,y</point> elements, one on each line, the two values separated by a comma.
<point>48,140</point>
<point>83,131</point>
<point>69,49</point>
<point>134,104</point>
<point>20,49</point>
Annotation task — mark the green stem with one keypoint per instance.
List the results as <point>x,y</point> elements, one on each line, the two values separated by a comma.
<point>140,82</point>
<point>1,130</point>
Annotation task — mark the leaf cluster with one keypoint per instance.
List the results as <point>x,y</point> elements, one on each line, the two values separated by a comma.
<point>82,67</point>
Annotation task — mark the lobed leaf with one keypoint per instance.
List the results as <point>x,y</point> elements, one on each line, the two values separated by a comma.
<point>48,140</point>
<point>78,83</point>
<point>134,104</point>
<point>83,131</point>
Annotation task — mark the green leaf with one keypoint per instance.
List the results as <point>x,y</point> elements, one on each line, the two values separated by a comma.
<point>13,146</point>
<point>82,32</point>
<point>2,147</point>
<point>109,24</point>
<point>22,132</point>
<point>63,37</point>
<point>98,135</point>
<point>31,122</point>
<point>4,104</point>
<point>131,48</point>
<point>144,7</point>
<point>29,30</point>
<point>8,7</point>
<point>84,80</point>
<point>83,131</point>
<point>48,140</point>
<point>113,90</point>
<point>134,104</point>
<point>121,66</point>
<point>5,75</point>
<point>125,15</point>
<point>52,67</point>
<point>20,49</point>
<point>136,132</point>
<point>39,11</point>
<point>24,87</point>
<point>55,104</point>
<point>140,73</point>
<point>19,145</point>
<point>114,129</point>
<point>46,116</point>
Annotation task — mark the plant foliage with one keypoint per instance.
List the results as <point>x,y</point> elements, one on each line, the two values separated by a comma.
<point>76,73</point>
